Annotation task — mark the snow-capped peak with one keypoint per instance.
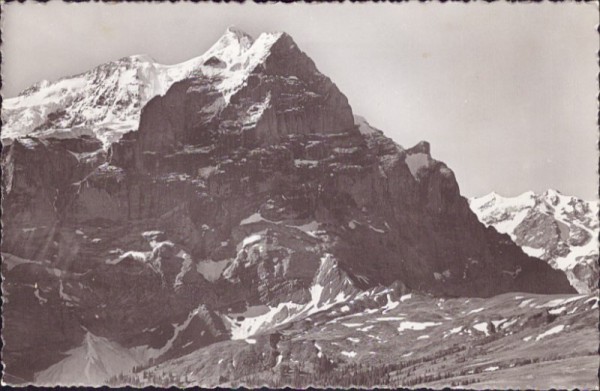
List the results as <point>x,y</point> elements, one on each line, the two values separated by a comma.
<point>231,46</point>
<point>106,101</point>
<point>560,229</point>
<point>239,34</point>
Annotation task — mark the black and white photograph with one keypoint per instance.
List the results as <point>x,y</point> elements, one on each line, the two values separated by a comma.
<point>325,195</point>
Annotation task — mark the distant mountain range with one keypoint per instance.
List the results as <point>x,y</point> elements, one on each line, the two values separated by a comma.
<point>559,229</point>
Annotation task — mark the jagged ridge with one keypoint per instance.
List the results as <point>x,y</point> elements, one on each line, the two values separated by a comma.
<point>559,229</point>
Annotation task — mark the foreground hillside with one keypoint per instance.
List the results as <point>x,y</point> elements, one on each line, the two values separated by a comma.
<point>381,338</point>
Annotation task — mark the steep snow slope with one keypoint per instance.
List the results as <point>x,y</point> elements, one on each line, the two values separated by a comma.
<point>107,100</point>
<point>560,229</point>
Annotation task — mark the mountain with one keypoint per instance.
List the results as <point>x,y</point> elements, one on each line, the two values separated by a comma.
<point>249,201</point>
<point>106,101</point>
<point>559,229</point>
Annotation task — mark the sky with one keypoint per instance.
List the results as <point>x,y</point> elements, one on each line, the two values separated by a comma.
<point>505,93</point>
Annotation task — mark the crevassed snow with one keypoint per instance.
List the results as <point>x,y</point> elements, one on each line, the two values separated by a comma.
<point>570,260</point>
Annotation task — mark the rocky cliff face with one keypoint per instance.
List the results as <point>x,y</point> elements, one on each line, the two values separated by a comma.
<point>249,197</point>
<point>559,229</point>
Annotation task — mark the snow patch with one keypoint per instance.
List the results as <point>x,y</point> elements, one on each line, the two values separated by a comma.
<point>408,325</point>
<point>483,327</point>
<point>475,311</point>
<point>553,330</point>
<point>254,218</point>
<point>251,240</point>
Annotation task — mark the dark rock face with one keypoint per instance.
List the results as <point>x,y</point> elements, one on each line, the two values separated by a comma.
<point>284,95</point>
<point>228,202</point>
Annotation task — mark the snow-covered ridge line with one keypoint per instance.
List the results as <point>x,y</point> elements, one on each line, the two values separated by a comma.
<point>106,101</point>
<point>560,229</point>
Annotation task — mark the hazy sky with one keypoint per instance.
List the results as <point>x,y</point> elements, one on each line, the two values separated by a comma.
<point>505,93</point>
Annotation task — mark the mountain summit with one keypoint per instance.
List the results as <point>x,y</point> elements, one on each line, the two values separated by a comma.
<point>106,101</point>
<point>248,201</point>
